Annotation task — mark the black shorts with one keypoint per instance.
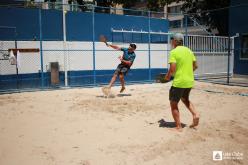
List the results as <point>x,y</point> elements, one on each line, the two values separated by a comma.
<point>177,93</point>
<point>121,68</point>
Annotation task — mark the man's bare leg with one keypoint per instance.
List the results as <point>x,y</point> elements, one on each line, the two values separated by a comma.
<point>106,90</point>
<point>112,81</point>
<point>121,77</point>
<point>191,108</point>
<point>176,115</point>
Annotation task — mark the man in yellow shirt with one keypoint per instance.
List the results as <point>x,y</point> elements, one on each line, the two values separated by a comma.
<point>182,65</point>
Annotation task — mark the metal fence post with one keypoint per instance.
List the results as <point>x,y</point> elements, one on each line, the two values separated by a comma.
<point>16,65</point>
<point>41,51</point>
<point>149,43</point>
<point>94,48</point>
<point>228,59</point>
<point>64,44</point>
<point>186,29</point>
<point>168,51</point>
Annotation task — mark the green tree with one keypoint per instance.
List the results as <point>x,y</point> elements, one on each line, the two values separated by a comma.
<point>105,4</point>
<point>81,3</point>
<point>212,13</point>
<point>127,4</point>
<point>108,3</point>
<point>155,5</point>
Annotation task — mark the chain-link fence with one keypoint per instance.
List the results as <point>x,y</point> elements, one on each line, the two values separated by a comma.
<point>8,64</point>
<point>219,58</point>
<point>77,58</point>
<point>70,53</point>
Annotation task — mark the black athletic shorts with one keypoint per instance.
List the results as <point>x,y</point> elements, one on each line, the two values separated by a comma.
<point>121,68</point>
<point>177,93</point>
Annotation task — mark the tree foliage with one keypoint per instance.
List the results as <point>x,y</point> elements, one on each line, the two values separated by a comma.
<point>125,3</point>
<point>212,13</point>
<point>155,5</point>
<point>206,12</point>
<point>81,3</point>
<point>108,3</point>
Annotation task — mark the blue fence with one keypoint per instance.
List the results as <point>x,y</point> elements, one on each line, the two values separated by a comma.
<point>79,25</point>
<point>82,59</point>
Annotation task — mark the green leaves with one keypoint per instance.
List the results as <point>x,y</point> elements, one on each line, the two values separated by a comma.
<point>214,14</point>
<point>155,5</point>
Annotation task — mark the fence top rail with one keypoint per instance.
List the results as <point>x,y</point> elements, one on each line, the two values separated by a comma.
<point>139,32</point>
<point>8,27</point>
<point>163,33</point>
<point>207,36</point>
<point>210,52</point>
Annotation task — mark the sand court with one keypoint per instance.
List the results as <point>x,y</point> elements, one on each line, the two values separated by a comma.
<point>81,127</point>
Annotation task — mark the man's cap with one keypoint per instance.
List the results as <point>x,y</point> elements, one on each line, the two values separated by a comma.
<point>133,46</point>
<point>177,37</point>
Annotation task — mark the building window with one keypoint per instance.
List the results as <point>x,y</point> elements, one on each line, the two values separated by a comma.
<point>175,24</point>
<point>190,22</point>
<point>174,9</point>
<point>244,47</point>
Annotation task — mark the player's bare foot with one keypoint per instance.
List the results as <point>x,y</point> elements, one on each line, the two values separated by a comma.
<point>195,123</point>
<point>176,129</point>
<point>122,89</point>
<point>106,90</point>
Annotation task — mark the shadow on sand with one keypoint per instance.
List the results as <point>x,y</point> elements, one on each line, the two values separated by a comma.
<point>163,123</point>
<point>123,95</point>
<point>113,96</point>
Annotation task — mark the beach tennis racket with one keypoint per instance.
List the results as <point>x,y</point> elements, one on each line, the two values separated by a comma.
<point>161,78</point>
<point>103,39</point>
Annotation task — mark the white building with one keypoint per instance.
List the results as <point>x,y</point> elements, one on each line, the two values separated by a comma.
<point>177,20</point>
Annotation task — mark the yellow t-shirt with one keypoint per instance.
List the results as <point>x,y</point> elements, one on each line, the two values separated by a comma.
<point>184,75</point>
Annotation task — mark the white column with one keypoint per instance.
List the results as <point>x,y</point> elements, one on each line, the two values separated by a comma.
<point>64,43</point>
